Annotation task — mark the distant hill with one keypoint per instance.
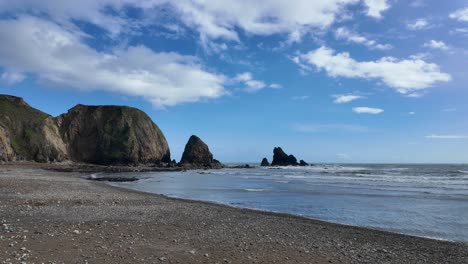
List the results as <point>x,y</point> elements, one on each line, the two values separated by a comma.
<point>103,135</point>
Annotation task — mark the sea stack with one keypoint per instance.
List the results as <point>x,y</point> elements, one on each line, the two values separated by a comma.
<point>265,162</point>
<point>303,163</point>
<point>280,158</point>
<point>197,155</point>
<point>113,135</point>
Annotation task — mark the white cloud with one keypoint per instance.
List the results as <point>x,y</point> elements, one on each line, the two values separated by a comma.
<point>341,99</point>
<point>419,24</point>
<point>406,76</point>
<point>212,19</point>
<point>367,110</point>
<point>65,12</point>
<point>460,15</point>
<point>252,85</point>
<point>411,113</point>
<point>60,57</point>
<point>276,86</point>
<point>12,77</point>
<point>433,136</point>
<point>343,33</point>
<point>316,128</point>
<point>376,7</point>
<point>434,44</point>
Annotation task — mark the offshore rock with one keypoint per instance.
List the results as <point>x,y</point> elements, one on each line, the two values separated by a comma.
<point>280,158</point>
<point>265,162</point>
<point>197,155</point>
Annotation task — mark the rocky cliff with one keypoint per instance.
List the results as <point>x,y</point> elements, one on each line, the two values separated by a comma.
<point>93,134</point>
<point>27,133</point>
<point>112,135</point>
<point>197,155</point>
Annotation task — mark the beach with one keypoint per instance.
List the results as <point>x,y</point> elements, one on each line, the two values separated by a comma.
<point>61,217</point>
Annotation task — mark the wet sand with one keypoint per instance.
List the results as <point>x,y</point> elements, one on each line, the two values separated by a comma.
<point>61,217</point>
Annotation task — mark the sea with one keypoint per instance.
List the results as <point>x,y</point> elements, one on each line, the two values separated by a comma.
<point>421,200</point>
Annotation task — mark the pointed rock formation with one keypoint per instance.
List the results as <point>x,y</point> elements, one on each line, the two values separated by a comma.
<point>265,162</point>
<point>303,163</point>
<point>280,158</point>
<point>197,155</point>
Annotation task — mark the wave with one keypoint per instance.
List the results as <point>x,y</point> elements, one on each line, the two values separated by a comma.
<point>257,190</point>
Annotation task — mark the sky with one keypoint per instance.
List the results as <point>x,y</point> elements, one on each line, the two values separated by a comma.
<point>347,81</point>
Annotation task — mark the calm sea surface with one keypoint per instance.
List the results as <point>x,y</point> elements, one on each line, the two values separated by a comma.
<point>422,200</point>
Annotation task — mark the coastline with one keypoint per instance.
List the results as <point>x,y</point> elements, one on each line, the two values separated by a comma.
<point>71,219</point>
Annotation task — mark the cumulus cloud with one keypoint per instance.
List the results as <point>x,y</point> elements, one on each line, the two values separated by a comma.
<point>376,7</point>
<point>343,33</point>
<point>342,99</point>
<point>59,56</point>
<point>434,136</point>
<point>212,19</point>
<point>434,44</point>
<point>419,24</point>
<point>12,77</point>
<point>276,86</point>
<point>252,85</point>
<point>460,15</point>
<point>406,76</point>
<point>367,110</point>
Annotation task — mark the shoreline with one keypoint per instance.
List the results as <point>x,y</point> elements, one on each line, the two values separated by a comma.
<point>280,214</point>
<point>101,223</point>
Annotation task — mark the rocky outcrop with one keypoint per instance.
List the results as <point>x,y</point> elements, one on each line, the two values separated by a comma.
<point>105,135</point>
<point>265,162</point>
<point>112,135</point>
<point>197,155</point>
<point>27,133</point>
<point>303,163</point>
<point>280,158</point>
<point>6,151</point>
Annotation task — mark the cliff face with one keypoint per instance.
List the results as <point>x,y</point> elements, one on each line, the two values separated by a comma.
<point>27,133</point>
<point>112,135</point>
<point>93,134</point>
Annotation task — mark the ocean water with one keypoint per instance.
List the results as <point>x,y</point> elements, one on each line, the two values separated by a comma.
<point>422,200</point>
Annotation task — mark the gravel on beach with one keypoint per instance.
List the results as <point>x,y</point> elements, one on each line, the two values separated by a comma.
<point>61,217</point>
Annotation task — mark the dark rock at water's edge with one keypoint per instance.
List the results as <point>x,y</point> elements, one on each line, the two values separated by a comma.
<point>265,162</point>
<point>245,166</point>
<point>114,179</point>
<point>303,163</point>
<point>280,158</point>
<point>197,155</point>
<point>104,135</point>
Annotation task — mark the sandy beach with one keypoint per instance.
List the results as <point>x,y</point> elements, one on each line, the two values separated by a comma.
<point>61,217</point>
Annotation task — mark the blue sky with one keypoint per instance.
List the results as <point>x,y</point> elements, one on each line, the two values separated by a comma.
<point>329,81</point>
